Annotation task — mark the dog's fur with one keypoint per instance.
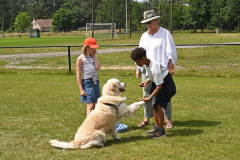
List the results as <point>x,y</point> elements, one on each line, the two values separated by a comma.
<point>103,119</point>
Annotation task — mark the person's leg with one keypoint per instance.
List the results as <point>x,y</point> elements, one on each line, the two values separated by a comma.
<point>168,115</point>
<point>159,129</point>
<point>160,116</point>
<point>148,110</point>
<point>155,111</point>
<point>90,107</point>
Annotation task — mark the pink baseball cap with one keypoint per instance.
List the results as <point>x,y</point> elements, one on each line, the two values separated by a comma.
<point>91,42</point>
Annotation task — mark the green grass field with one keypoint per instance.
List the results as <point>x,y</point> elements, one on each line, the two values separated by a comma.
<point>36,108</point>
<point>39,101</point>
<point>202,61</point>
<point>198,38</point>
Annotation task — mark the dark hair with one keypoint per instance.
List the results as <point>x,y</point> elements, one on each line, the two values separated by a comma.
<point>138,53</point>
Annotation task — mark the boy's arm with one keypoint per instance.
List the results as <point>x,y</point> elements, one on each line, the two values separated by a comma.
<point>143,84</point>
<point>157,89</point>
<point>138,74</point>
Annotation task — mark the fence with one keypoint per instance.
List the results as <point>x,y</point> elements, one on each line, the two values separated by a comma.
<point>193,60</point>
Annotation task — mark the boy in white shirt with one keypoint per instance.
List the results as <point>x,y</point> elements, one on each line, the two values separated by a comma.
<point>163,88</point>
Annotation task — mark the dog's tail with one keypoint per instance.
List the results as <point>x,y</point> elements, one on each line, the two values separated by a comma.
<point>63,145</point>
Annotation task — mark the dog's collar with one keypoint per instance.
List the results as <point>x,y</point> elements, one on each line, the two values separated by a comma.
<point>115,106</point>
<point>112,105</point>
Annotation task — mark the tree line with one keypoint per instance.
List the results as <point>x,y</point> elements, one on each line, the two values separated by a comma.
<point>70,15</point>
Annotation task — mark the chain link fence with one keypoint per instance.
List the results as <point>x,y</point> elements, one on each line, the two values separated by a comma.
<point>193,60</point>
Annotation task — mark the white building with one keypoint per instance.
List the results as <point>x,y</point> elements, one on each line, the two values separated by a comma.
<point>44,25</point>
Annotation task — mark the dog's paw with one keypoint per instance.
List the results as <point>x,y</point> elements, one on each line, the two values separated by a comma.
<point>141,103</point>
<point>118,138</point>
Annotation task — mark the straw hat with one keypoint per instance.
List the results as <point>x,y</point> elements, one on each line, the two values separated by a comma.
<point>148,16</point>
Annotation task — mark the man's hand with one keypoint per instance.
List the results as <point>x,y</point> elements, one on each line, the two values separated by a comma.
<point>171,71</point>
<point>170,67</point>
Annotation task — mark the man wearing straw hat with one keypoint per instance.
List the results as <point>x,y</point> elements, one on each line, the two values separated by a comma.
<point>160,47</point>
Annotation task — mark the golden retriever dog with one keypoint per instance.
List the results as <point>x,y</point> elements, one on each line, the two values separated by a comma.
<point>103,119</point>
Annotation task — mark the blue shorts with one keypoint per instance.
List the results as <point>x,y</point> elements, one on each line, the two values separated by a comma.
<point>92,91</point>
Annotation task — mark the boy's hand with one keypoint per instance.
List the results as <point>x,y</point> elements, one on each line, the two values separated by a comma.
<point>145,99</point>
<point>138,74</point>
<point>143,84</point>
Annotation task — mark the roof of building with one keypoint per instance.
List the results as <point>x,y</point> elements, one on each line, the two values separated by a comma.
<point>44,22</point>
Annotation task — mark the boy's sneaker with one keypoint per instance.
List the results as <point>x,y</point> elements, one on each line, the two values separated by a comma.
<point>159,133</point>
<point>152,131</point>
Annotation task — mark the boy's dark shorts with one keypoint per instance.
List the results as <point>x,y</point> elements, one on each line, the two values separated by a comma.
<point>166,93</point>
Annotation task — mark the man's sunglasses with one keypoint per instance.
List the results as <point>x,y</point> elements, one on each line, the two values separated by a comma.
<point>149,22</point>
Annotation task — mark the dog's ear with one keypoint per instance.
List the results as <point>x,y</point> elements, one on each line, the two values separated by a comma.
<point>110,89</point>
<point>114,87</point>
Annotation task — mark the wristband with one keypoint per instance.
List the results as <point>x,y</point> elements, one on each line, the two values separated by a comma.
<point>151,97</point>
<point>148,79</point>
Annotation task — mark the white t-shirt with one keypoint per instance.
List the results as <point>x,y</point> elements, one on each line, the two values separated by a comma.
<point>156,72</point>
<point>159,47</point>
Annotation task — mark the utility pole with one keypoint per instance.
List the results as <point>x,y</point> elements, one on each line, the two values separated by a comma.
<point>3,22</point>
<point>145,5</point>
<point>112,21</point>
<point>130,17</point>
<point>171,17</point>
<point>93,18</point>
<point>126,15</point>
<point>126,19</point>
<point>159,23</point>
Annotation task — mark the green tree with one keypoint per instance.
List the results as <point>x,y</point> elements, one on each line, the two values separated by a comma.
<point>4,7</point>
<point>104,12</point>
<point>69,17</point>
<point>62,20</point>
<point>137,15</point>
<point>186,18</point>
<point>226,14</point>
<point>22,22</point>
<point>200,11</point>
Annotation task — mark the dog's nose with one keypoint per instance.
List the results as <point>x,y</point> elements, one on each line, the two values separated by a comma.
<point>123,85</point>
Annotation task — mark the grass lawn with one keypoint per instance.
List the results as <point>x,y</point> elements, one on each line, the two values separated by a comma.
<point>202,61</point>
<point>36,108</point>
<point>194,38</point>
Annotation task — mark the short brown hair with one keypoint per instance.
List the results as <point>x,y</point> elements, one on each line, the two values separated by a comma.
<point>138,53</point>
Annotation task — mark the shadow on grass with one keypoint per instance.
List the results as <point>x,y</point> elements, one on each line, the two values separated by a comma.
<point>184,132</point>
<point>196,123</point>
<point>189,127</point>
<point>126,140</point>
